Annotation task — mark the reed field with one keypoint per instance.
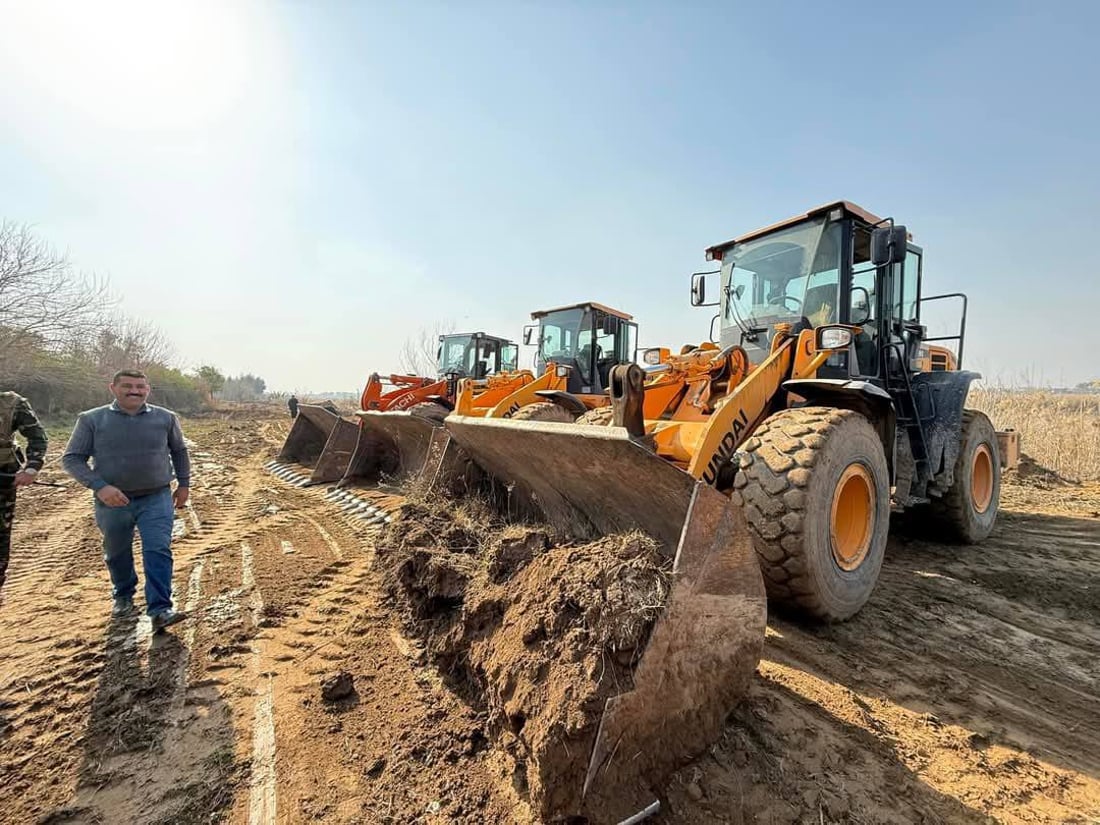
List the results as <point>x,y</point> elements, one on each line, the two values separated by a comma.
<point>1060,431</point>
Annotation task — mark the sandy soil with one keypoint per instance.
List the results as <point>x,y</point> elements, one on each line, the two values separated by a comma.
<point>967,691</point>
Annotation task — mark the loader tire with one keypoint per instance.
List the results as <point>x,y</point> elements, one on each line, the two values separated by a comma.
<point>599,417</point>
<point>968,511</point>
<point>544,411</point>
<point>815,490</point>
<point>429,410</point>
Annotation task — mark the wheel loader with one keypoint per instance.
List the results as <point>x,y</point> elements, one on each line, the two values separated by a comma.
<point>328,445</point>
<point>824,407</point>
<point>578,345</point>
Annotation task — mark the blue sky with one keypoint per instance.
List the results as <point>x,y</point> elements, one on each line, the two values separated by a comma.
<point>295,189</point>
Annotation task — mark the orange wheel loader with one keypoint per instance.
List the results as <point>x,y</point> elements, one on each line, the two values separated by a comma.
<point>324,447</point>
<point>773,467</point>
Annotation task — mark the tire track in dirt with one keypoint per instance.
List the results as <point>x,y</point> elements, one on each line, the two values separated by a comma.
<point>372,756</point>
<point>54,546</point>
<point>263,799</point>
<point>965,691</point>
<point>81,692</point>
<point>53,655</point>
<point>286,560</point>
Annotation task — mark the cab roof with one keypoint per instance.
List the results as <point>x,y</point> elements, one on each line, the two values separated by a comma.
<point>714,252</point>
<point>474,335</point>
<point>585,305</point>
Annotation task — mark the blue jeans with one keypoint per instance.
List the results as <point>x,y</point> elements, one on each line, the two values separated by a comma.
<point>152,515</point>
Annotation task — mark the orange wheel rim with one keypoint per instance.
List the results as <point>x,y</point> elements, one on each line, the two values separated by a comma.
<point>981,478</point>
<point>853,516</point>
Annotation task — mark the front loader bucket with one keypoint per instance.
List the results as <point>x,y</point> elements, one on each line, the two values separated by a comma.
<point>319,441</point>
<point>335,457</point>
<point>704,647</point>
<point>390,444</point>
<point>306,439</point>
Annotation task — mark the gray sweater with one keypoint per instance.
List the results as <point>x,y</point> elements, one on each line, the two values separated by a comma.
<point>135,453</point>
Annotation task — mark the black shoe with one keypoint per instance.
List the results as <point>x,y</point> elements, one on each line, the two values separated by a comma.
<point>122,607</point>
<point>167,619</point>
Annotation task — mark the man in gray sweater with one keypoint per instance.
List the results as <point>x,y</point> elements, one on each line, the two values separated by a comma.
<point>134,447</point>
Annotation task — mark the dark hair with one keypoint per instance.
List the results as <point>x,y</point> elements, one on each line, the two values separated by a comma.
<point>129,374</point>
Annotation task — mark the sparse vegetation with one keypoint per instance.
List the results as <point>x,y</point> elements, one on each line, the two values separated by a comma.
<point>62,338</point>
<point>1061,431</point>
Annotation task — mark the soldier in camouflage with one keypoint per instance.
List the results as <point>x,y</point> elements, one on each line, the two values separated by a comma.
<point>16,471</point>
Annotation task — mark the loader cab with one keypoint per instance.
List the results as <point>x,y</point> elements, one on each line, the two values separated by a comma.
<point>855,280</point>
<point>587,339</point>
<point>820,269</point>
<point>475,355</point>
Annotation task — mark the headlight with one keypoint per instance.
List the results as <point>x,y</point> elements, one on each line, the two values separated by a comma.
<point>652,357</point>
<point>834,338</point>
<point>561,371</point>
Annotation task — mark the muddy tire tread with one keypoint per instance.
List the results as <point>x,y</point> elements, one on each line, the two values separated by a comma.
<point>543,411</point>
<point>951,514</point>
<point>776,464</point>
<point>599,417</point>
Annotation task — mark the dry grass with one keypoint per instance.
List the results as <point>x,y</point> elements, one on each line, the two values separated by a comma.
<point>1060,431</point>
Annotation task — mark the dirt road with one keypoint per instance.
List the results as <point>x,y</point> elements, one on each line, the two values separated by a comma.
<point>967,691</point>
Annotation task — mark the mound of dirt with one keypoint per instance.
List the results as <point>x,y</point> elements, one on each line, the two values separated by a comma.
<point>1030,473</point>
<point>537,634</point>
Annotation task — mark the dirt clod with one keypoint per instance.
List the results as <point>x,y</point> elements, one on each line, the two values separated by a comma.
<point>514,552</point>
<point>1030,473</point>
<point>337,686</point>
<point>536,634</point>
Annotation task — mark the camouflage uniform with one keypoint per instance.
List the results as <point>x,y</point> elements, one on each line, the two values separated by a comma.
<point>16,415</point>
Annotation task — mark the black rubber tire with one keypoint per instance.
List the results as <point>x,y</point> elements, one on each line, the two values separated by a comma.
<point>430,410</point>
<point>599,417</point>
<point>955,515</point>
<point>789,470</point>
<point>544,411</point>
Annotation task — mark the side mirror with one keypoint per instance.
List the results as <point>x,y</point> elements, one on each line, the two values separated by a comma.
<point>699,289</point>
<point>528,334</point>
<point>832,338</point>
<point>859,313</point>
<point>888,245</point>
<point>611,324</point>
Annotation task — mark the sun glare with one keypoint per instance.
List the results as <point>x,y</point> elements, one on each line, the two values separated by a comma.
<point>133,65</point>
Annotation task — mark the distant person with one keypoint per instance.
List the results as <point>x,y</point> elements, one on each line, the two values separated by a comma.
<point>135,447</point>
<point>292,405</point>
<point>16,416</point>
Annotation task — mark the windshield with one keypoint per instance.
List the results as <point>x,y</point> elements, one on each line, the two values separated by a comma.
<point>783,276</point>
<point>457,355</point>
<point>473,356</point>
<point>564,333</point>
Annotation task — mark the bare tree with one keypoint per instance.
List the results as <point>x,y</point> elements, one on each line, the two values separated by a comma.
<point>127,342</point>
<point>419,354</point>
<point>44,303</point>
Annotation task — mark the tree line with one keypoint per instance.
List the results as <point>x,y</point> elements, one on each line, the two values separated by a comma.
<point>62,337</point>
